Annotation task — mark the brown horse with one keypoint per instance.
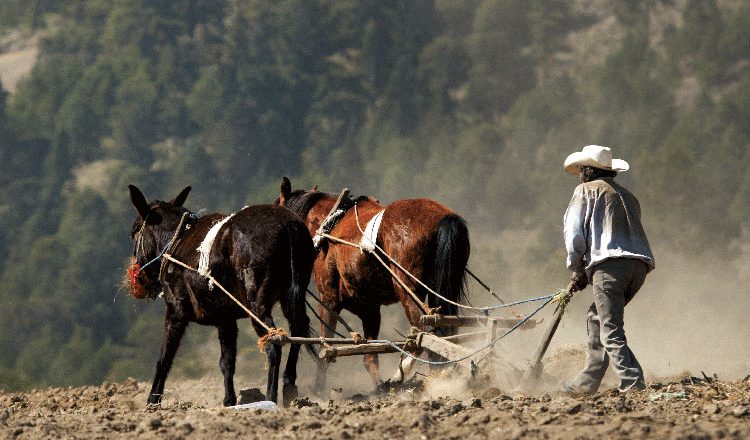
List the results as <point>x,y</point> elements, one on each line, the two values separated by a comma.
<point>426,238</point>
<point>261,254</point>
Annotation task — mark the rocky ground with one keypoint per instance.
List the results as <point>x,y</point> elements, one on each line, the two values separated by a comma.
<point>687,408</point>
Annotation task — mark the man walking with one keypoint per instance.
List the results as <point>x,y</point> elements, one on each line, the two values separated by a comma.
<point>608,249</point>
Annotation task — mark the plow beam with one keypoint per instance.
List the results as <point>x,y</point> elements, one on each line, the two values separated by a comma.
<point>473,321</point>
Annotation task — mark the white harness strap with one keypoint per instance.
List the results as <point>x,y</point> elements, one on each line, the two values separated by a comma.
<point>205,248</point>
<point>370,236</point>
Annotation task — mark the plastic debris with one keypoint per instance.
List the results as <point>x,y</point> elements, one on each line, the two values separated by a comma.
<point>666,396</point>
<point>263,404</point>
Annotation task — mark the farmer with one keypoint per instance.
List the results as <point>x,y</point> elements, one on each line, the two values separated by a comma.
<point>608,249</point>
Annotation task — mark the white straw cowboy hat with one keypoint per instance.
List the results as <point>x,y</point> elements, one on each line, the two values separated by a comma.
<point>594,156</point>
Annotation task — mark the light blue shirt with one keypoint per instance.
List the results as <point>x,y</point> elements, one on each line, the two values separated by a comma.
<point>603,221</point>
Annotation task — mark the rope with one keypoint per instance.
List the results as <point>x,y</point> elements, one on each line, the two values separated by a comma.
<point>489,345</point>
<point>425,309</point>
<point>312,309</point>
<point>263,340</point>
<point>485,309</point>
<point>211,279</point>
<point>338,317</point>
<point>422,305</point>
<point>486,287</point>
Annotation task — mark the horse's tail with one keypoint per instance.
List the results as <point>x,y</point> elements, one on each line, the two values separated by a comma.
<point>451,258</point>
<point>301,255</point>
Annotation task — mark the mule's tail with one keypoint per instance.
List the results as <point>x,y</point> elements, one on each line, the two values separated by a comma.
<point>451,258</point>
<point>301,256</point>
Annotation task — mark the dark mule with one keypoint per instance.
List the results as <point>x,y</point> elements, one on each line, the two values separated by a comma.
<point>262,254</point>
<point>426,238</point>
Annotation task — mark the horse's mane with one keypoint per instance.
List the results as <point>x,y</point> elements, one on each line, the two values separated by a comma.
<point>301,202</point>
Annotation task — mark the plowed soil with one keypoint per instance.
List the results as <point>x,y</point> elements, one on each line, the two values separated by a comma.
<point>686,408</point>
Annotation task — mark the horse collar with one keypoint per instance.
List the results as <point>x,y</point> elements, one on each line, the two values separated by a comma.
<point>332,219</point>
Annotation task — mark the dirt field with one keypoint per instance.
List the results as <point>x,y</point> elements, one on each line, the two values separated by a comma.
<point>689,408</point>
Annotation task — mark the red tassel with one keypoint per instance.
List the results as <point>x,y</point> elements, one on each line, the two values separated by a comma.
<point>134,284</point>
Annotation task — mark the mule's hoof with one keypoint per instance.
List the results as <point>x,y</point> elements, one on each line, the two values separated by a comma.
<point>290,393</point>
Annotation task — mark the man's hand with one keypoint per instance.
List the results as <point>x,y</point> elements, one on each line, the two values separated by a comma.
<point>579,280</point>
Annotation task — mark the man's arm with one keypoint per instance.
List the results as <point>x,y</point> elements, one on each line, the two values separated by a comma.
<point>574,230</point>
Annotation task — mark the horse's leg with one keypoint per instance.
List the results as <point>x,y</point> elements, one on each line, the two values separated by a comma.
<point>413,312</point>
<point>328,313</point>
<point>228,342</point>
<point>174,329</point>
<point>371,327</point>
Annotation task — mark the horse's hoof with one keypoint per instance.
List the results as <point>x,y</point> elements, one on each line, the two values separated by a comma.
<point>290,393</point>
<point>154,399</point>
<point>230,401</point>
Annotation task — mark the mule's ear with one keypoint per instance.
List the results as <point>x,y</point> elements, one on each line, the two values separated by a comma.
<point>139,201</point>
<point>314,188</point>
<point>286,189</point>
<point>180,199</point>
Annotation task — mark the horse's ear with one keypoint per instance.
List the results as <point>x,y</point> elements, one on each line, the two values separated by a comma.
<point>286,189</point>
<point>180,199</point>
<point>314,188</point>
<point>139,201</point>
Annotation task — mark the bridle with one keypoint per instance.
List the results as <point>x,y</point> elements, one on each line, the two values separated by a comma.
<point>138,245</point>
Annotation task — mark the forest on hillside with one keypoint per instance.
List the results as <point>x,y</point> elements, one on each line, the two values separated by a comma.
<point>474,103</point>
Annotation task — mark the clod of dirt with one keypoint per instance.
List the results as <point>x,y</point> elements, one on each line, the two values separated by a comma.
<point>491,393</point>
<point>303,402</point>
<point>250,395</point>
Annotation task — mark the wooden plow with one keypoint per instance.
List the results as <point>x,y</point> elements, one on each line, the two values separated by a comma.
<point>485,331</point>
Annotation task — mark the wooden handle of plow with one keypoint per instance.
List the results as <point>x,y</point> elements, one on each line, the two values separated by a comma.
<point>535,368</point>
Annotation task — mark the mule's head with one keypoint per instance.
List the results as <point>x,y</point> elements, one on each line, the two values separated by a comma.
<point>154,226</point>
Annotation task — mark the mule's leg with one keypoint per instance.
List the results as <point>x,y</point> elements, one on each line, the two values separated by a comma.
<point>174,329</point>
<point>260,296</point>
<point>273,356</point>
<point>299,325</point>
<point>228,342</point>
<point>328,314</point>
<point>371,327</point>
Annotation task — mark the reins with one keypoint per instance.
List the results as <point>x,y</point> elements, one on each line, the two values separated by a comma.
<point>562,298</point>
<point>484,310</point>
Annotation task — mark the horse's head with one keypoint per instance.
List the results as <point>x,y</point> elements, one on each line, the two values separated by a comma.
<point>154,226</point>
<point>298,201</point>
